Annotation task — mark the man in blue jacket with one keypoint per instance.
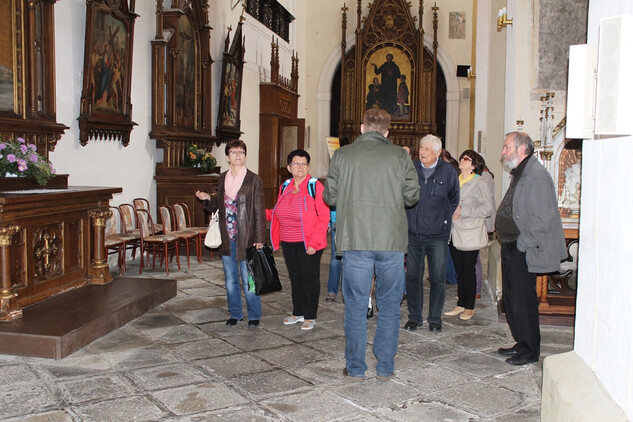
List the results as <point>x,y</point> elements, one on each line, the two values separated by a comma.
<point>429,230</point>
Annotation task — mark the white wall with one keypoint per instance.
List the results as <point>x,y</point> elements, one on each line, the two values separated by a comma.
<point>108,163</point>
<point>604,311</point>
<point>104,163</point>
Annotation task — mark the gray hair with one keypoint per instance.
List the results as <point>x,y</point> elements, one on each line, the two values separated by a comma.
<point>435,142</point>
<point>522,138</point>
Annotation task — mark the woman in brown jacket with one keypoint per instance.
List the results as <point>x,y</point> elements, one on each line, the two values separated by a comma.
<point>242,218</point>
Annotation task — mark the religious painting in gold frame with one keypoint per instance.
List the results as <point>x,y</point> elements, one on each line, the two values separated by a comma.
<point>569,178</point>
<point>8,70</point>
<point>388,82</point>
<point>106,109</point>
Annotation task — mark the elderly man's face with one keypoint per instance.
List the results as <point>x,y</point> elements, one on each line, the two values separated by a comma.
<point>510,153</point>
<point>428,156</point>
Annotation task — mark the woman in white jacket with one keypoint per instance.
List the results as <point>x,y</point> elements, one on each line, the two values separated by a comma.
<point>475,202</point>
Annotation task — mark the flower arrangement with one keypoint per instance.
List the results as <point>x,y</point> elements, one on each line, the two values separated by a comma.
<point>19,159</point>
<point>199,157</point>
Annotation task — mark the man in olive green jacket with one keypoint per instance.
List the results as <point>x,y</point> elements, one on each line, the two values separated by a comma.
<point>370,183</point>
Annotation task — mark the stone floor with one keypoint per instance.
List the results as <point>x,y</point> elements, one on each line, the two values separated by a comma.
<point>180,362</point>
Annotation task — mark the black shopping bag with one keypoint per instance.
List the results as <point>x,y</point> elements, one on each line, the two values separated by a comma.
<point>261,266</point>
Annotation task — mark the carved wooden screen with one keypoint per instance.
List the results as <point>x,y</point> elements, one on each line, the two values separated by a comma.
<point>27,73</point>
<point>389,68</point>
<point>181,80</point>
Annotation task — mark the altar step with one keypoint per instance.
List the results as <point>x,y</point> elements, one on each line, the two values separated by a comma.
<point>61,325</point>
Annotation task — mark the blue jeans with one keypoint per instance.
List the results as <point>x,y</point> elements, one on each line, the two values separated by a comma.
<point>451,274</point>
<point>435,251</point>
<point>234,271</point>
<point>358,270</point>
<point>335,267</point>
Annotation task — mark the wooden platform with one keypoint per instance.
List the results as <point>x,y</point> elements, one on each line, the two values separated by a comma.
<point>63,324</point>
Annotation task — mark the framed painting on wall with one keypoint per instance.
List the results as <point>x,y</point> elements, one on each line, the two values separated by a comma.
<point>231,86</point>
<point>106,111</point>
<point>388,82</point>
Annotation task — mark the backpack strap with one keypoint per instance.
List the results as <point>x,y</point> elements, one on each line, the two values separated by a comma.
<point>311,186</point>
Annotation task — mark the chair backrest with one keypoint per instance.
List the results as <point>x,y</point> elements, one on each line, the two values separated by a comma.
<point>141,204</point>
<point>166,216</point>
<point>127,217</point>
<point>181,214</point>
<point>111,226</point>
<point>145,222</point>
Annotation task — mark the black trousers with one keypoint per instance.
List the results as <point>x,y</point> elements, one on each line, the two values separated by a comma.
<point>520,301</point>
<point>304,271</point>
<point>465,262</point>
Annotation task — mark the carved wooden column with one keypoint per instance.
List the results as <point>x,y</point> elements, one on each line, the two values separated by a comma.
<point>9,308</point>
<point>99,272</point>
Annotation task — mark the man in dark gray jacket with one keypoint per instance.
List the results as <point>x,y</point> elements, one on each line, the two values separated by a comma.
<point>532,242</point>
<point>370,182</point>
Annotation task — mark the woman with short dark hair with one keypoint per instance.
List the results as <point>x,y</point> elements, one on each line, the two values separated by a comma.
<point>242,218</point>
<point>299,225</point>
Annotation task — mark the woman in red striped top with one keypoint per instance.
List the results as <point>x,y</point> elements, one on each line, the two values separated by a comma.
<point>299,224</point>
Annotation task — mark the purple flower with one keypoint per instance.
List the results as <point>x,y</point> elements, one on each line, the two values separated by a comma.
<point>3,146</point>
<point>21,140</point>
<point>33,147</point>
<point>22,165</point>
<point>51,167</point>
<point>23,148</point>
<point>34,158</point>
<point>11,158</point>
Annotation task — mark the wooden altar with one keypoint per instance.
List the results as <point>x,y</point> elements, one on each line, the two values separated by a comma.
<point>180,185</point>
<point>51,241</point>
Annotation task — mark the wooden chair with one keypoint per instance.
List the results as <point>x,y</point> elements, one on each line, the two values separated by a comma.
<point>143,204</point>
<point>185,237</point>
<point>115,239</point>
<point>183,222</point>
<point>129,226</point>
<point>151,242</point>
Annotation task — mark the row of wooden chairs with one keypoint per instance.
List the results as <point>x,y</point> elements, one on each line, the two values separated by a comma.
<point>131,226</point>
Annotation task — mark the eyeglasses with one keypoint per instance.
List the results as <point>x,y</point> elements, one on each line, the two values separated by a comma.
<point>237,152</point>
<point>299,164</point>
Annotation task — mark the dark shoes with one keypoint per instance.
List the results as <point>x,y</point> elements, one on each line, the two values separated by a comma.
<point>370,312</point>
<point>232,322</point>
<point>509,352</point>
<point>356,379</point>
<point>253,323</point>
<point>519,360</point>
<point>434,327</point>
<point>412,325</point>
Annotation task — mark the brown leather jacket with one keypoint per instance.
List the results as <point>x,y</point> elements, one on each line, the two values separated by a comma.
<point>251,214</point>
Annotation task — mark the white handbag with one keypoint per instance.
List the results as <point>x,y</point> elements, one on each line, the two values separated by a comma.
<point>213,239</point>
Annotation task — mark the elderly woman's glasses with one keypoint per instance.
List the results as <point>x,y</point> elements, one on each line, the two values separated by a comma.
<point>295,165</point>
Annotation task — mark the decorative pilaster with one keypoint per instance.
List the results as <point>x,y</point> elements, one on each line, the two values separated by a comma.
<point>99,272</point>
<point>9,308</point>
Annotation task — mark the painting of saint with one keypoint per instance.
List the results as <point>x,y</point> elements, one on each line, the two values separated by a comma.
<point>387,83</point>
<point>107,64</point>
<point>230,95</point>
<point>457,25</point>
<point>6,57</point>
<point>185,75</point>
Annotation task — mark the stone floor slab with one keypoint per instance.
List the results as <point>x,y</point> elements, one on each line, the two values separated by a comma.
<point>199,398</point>
<point>166,376</point>
<point>311,406</point>
<point>138,408</point>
